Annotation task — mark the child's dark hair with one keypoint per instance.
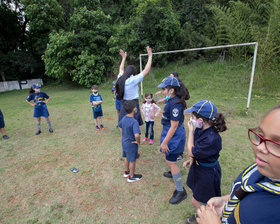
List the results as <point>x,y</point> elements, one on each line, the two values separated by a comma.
<point>181,92</point>
<point>31,90</point>
<point>129,106</point>
<point>219,123</point>
<point>151,95</point>
<point>94,87</point>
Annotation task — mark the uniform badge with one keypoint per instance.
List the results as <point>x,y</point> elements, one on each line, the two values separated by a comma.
<point>175,112</point>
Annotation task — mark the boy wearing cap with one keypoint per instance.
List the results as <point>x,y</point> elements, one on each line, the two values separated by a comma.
<point>173,136</point>
<point>204,145</point>
<point>40,100</point>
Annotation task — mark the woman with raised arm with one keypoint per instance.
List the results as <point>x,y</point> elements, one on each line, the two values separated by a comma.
<point>127,85</point>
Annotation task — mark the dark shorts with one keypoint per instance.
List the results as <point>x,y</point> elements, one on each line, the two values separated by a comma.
<point>97,114</point>
<point>172,157</point>
<point>41,111</point>
<point>2,122</point>
<point>118,103</point>
<point>131,156</point>
<point>137,115</point>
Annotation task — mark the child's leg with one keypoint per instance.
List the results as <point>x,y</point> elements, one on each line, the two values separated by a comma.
<point>126,164</point>
<point>152,130</point>
<point>49,122</point>
<point>100,120</point>
<point>3,131</point>
<point>196,204</point>
<point>95,121</point>
<point>132,166</point>
<point>176,174</point>
<point>147,124</point>
<point>38,123</point>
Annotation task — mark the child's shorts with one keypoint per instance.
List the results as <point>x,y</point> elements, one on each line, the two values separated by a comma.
<point>172,157</point>
<point>118,103</point>
<point>97,114</point>
<point>130,156</point>
<point>2,123</point>
<point>41,111</point>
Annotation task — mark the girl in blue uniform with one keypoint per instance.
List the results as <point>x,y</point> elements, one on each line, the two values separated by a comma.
<point>173,136</point>
<point>40,108</point>
<point>204,145</point>
<point>255,194</point>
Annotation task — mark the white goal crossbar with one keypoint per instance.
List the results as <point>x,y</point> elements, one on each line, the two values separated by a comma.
<point>214,47</point>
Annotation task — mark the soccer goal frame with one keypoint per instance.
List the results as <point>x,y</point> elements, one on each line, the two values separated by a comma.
<point>214,47</point>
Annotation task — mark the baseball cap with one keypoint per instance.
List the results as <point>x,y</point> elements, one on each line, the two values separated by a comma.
<point>36,86</point>
<point>204,108</point>
<point>169,81</point>
<point>114,85</point>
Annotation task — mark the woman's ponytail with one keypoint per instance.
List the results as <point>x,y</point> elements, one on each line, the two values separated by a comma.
<point>219,122</point>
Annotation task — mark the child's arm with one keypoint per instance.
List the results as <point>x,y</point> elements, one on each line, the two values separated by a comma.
<point>170,133</point>
<point>98,102</point>
<point>158,93</point>
<point>46,101</point>
<point>32,104</point>
<point>158,110</point>
<point>123,54</point>
<point>137,138</point>
<point>190,143</point>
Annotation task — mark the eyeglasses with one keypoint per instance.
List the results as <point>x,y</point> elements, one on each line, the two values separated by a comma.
<point>270,145</point>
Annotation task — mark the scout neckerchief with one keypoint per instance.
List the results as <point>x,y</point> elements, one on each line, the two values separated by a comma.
<point>252,180</point>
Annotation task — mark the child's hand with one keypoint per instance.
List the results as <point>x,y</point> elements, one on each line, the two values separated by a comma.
<point>207,215</point>
<point>188,162</point>
<point>164,148</point>
<point>135,142</point>
<point>190,126</point>
<point>33,104</point>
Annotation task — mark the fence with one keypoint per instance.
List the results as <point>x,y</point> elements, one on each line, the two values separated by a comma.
<point>20,84</point>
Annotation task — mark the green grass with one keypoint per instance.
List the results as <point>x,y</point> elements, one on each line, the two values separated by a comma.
<point>37,185</point>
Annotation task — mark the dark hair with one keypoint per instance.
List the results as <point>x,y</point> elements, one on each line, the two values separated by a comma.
<point>31,90</point>
<point>175,74</point>
<point>181,92</point>
<point>219,123</point>
<point>94,87</point>
<point>129,105</point>
<point>129,70</point>
<point>149,94</point>
<point>184,89</point>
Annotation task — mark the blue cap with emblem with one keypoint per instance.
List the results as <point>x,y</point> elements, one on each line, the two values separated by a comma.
<point>204,108</point>
<point>169,81</point>
<point>36,86</point>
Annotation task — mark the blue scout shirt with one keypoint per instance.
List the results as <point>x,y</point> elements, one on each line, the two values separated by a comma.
<point>38,98</point>
<point>207,145</point>
<point>258,207</point>
<point>98,97</point>
<point>173,111</point>
<point>130,127</point>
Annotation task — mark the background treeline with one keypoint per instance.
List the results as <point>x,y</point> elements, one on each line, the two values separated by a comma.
<point>79,40</point>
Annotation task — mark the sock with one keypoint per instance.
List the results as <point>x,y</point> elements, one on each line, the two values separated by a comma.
<point>38,127</point>
<point>178,181</point>
<point>49,123</point>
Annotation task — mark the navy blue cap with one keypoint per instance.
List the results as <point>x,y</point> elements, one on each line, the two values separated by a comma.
<point>36,86</point>
<point>114,85</point>
<point>169,81</point>
<point>204,108</point>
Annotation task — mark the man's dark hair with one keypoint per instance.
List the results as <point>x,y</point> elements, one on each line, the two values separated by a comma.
<point>129,105</point>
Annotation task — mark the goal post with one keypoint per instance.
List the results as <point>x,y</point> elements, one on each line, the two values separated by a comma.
<point>209,48</point>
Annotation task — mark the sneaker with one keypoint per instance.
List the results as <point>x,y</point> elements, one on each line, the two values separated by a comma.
<point>178,196</point>
<point>51,130</point>
<point>5,136</point>
<point>191,220</point>
<point>151,142</point>
<point>38,132</point>
<point>135,177</point>
<point>126,174</point>
<point>97,128</point>
<point>144,140</point>
<point>167,174</point>
<point>102,127</point>
<point>180,157</point>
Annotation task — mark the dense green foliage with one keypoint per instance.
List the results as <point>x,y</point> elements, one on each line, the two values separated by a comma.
<point>80,39</point>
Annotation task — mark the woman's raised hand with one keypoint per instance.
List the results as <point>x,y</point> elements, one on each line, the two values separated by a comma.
<point>149,51</point>
<point>123,54</point>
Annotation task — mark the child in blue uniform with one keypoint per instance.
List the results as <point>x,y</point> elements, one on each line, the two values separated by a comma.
<point>204,145</point>
<point>173,136</point>
<point>96,101</point>
<point>40,108</point>
<point>255,194</point>
<point>130,140</point>
<point>116,98</point>
<point>2,126</point>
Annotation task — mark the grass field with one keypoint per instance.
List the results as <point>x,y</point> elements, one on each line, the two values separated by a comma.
<point>37,185</point>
